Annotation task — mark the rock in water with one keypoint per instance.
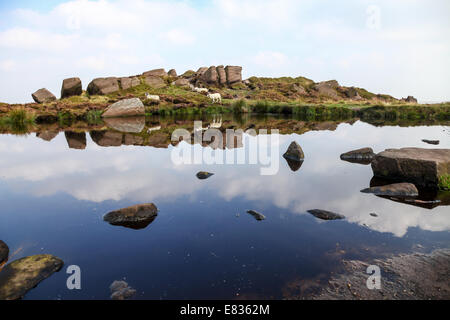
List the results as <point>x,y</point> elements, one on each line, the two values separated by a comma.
<point>423,167</point>
<point>258,216</point>
<point>394,190</point>
<point>71,87</point>
<point>294,165</point>
<point>4,252</point>
<point>125,108</point>
<point>120,290</point>
<point>325,215</point>
<point>431,141</point>
<point>43,95</point>
<point>363,156</point>
<point>22,275</point>
<point>294,152</point>
<point>135,217</point>
<point>202,175</point>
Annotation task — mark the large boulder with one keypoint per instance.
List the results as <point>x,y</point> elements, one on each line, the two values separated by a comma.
<point>402,190</point>
<point>102,86</point>
<point>234,74</point>
<point>423,167</point>
<point>129,82</point>
<point>294,152</point>
<point>135,217</point>
<point>155,72</point>
<point>125,108</point>
<point>71,87</point>
<point>210,75</point>
<point>76,140</point>
<point>22,275</point>
<point>172,73</point>
<point>327,89</point>
<point>201,71</point>
<point>4,252</point>
<point>182,82</point>
<point>155,82</point>
<point>43,96</point>
<point>222,75</point>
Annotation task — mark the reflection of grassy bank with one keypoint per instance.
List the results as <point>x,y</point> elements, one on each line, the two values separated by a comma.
<point>444,182</point>
<point>18,121</point>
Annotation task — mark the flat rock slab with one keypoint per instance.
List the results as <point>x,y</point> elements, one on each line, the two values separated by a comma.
<point>135,217</point>
<point>125,108</point>
<point>423,167</point>
<point>202,175</point>
<point>326,215</point>
<point>395,190</point>
<point>4,252</point>
<point>258,216</point>
<point>363,156</point>
<point>22,275</point>
<point>294,152</point>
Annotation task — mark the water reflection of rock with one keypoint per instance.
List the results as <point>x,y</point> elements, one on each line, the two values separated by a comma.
<point>4,252</point>
<point>47,135</point>
<point>129,124</point>
<point>76,140</point>
<point>294,165</point>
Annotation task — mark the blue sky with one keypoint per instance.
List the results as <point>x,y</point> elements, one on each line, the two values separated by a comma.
<point>397,47</point>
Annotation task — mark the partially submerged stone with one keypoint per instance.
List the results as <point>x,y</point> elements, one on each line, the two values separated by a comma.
<point>394,190</point>
<point>135,217</point>
<point>258,216</point>
<point>204,175</point>
<point>435,142</point>
<point>423,167</point>
<point>294,152</point>
<point>22,275</point>
<point>43,96</point>
<point>4,252</point>
<point>363,156</point>
<point>76,140</point>
<point>120,290</point>
<point>325,215</point>
<point>125,108</point>
<point>71,87</point>
<point>129,124</point>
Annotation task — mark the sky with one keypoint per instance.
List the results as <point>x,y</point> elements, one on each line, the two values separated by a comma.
<point>397,47</point>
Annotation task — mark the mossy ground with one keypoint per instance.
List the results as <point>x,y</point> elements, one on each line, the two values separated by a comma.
<point>444,182</point>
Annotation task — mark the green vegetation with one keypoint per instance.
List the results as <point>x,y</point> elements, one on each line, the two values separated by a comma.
<point>444,182</point>
<point>18,121</point>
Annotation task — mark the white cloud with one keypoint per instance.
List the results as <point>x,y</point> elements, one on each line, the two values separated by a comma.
<point>271,59</point>
<point>7,65</point>
<point>179,37</point>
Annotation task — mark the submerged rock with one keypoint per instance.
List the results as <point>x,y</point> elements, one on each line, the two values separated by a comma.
<point>395,190</point>
<point>202,175</point>
<point>423,167</point>
<point>43,95</point>
<point>325,215</point>
<point>135,217</point>
<point>22,275</point>
<point>363,156</point>
<point>76,140</point>
<point>120,290</point>
<point>294,152</point>
<point>4,252</point>
<point>258,216</point>
<point>374,215</point>
<point>431,141</point>
<point>129,124</point>
<point>125,108</point>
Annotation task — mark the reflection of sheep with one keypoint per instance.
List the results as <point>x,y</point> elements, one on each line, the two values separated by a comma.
<point>154,129</point>
<point>215,97</point>
<point>151,97</point>
<point>216,124</point>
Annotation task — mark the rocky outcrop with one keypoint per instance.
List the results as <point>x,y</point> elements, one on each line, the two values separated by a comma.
<point>325,215</point>
<point>102,86</point>
<point>395,190</point>
<point>221,74</point>
<point>258,216</point>
<point>327,89</point>
<point>155,82</point>
<point>294,152</point>
<point>120,290</point>
<point>363,156</point>
<point>182,82</point>
<point>4,252</point>
<point>201,71</point>
<point>135,217</point>
<point>155,72</point>
<point>423,167</point>
<point>22,275</point>
<point>129,124</point>
<point>410,99</point>
<point>125,108</point>
<point>202,175</point>
<point>352,93</point>
<point>76,140</point>
<point>129,82</point>
<point>210,76</point>
<point>71,87</point>
<point>43,96</point>
<point>172,73</point>
<point>234,74</point>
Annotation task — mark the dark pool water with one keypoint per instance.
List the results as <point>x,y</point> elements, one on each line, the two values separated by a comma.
<point>203,244</point>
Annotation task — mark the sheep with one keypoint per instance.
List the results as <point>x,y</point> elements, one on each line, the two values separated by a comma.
<point>201,90</point>
<point>215,97</point>
<point>151,97</point>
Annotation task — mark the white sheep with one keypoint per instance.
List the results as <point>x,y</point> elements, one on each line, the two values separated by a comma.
<point>215,97</point>
<point>201,90</point>
<point>151,97</point>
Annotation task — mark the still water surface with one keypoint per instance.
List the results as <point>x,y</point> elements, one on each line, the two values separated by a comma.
<point>203,244</point>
